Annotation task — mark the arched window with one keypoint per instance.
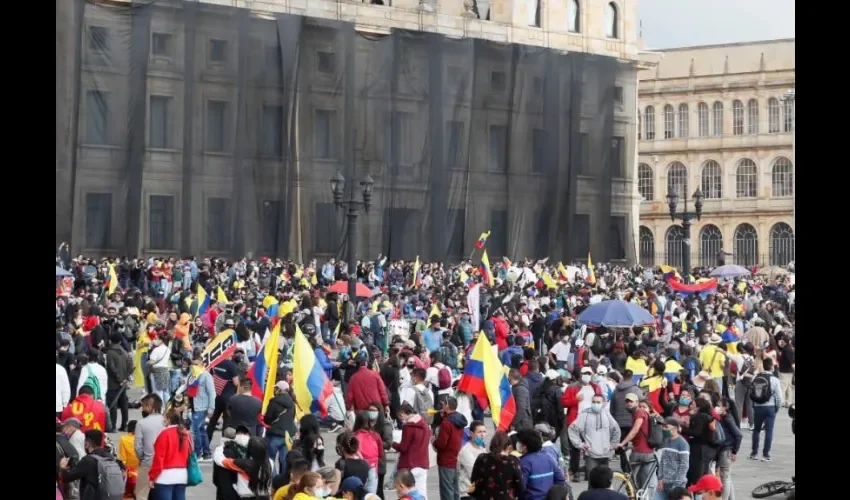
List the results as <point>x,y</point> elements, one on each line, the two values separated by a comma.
<point>781,244</point>
<point>746,245</point>
<point>718,119</point>
<point>773,114</point>
<point>649,123</point>
<point>669,122</point>
<point>746,179</point>
<point>712,180</point>
<point>611,21</point>
<point>702,118</point>
<point>646,184</point>
<point>753,117</point>
<point>737,117</point>
<point>710,244</point>
<point>647,247</point>
<point>675,242</point>
<point>573,16</point>
<point>677,180</point>
<point>683,120</point>
<point>789,115</point>
<point>782,177</point>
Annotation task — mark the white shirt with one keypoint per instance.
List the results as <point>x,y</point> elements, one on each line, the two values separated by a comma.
<point>63,388</point>
<point>588,392</point>
<point>407,395</point>
<point>99,372</point>
<point>465,462</point>
<point>432,375</point>
<point>160,355</point>
<point>561,351</point>
<point>404,378</point>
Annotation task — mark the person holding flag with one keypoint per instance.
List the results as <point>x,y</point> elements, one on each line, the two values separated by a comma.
<point>200,389</point>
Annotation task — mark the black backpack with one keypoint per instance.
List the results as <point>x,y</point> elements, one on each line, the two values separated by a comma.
<point>760,391</point>
<point>656,432</point>
<point>542,409</point>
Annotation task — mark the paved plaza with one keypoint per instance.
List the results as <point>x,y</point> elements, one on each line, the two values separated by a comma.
<point>746,474</point>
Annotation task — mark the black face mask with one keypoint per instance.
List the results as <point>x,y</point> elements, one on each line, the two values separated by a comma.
<point>631,409</point>
<point>145,413</point>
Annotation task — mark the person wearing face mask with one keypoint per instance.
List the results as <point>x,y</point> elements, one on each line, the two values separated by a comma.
<point>86,471</point>
<point>159,360</point>
<point>596,433</point>
<point>559,355</point>
<point>370,447</point>
<point>680,408</point>
<point>540,471</point>
<point>642,453</point>
<point>254,471</point>
<point>234,444</point>
<point>468,455</point>
<point>447,444</point>
<point>576,399</point>
<point>280,417</point>
<point>673,461</point>
<point>709,487</point>
<point>413,447</point>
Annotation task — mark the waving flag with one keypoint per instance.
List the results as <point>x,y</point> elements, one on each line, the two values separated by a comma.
<point>478,249</point>
<point>482,240</point>
<point>200,304</point>
<point>417,280</point>
<point>220,296</point>
<point>263,371</point>
<point>194,381</point>
<point>309,381</point>
<point>702,289</point>
<point>591,276</point>
<point>219,348</point>
<point>547,280</point>
<point>113,280</point>
<point>562,273</point>
<point>484,268</point>
<point>485,377</point>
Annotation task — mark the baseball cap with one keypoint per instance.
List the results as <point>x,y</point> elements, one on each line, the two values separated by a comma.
<point>283,385</point>
<point>73,421</point>
<point>352,484</point>
<point>707,482</point>
<point>601,370</point>
<point>552,374</point>
<point>587,370</point>
<point>632,397</point>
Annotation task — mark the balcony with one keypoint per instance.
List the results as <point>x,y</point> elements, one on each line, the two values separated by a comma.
<point>676,145</point>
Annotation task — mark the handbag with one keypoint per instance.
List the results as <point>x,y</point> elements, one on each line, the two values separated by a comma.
<point>194,476</point>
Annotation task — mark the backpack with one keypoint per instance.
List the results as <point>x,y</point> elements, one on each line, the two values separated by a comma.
<point>538,406</point>
<point>692,365</point>
<point>760,391</point>
<point>655,438</point>
<point>93,382</point>
<point>448,352</point>
<point>110,478</point>
<point>422,402</point>
<point>746,372</point>
<point>444,377</point>
<point>375,325</point>
<point>719,435</point>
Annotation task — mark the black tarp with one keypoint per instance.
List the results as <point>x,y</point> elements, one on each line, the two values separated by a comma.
<point>199,129</point>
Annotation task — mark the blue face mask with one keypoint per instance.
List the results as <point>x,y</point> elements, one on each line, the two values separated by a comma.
<point>373,415</point>
<point>684,401</point>
<point>596,407</point>
<point>322,492</point>
<point>478,441</point>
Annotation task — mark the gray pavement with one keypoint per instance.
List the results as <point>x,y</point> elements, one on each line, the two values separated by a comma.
<point>746,474</point>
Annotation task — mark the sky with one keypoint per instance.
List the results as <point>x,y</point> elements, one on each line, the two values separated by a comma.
<point>684,23</point>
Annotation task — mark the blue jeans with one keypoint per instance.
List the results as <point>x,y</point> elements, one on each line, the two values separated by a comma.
<point>277,447</point>
<point>169,492</point>
<point>199,430</point>
<point>764,416</point>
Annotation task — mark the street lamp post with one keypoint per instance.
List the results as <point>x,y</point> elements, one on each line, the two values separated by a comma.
<point>686,218</point>
<point>352,208</point>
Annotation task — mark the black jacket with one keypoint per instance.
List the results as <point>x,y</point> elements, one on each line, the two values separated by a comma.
<point>522,419</point>
<point>86,472</point>
<point>119,366</point>
<point>225,479</point>
<point>280,416</point>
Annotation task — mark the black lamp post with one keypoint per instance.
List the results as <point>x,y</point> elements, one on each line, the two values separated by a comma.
<point>352,208</point>
<point>686,218</point>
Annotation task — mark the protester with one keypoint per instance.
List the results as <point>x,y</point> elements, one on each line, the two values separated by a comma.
<point>497,473</point>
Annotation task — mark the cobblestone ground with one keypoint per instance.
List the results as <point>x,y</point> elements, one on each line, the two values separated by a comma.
<point>746,474</point>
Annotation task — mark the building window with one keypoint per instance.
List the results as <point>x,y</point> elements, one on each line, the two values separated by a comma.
<point>323,133</point>
<point>97,117</point>
<point>271,140</point>
<point>498,148</point>
<point>640,125</point>
<point>718,119</point>
<point>753,117</point>
<point>710,244</point>
<point>99,40</point>
<point>646,184</point>
<point>454,143</point>
<point>270,226</point>
<point>683,120</point>
<point>218,51</point>
<point>789,115</point>
<point>616,159</point>
<point>746,179</point>
<point>98,220</point>
<point>161,44</point>
<point>617,238</point>
<point>669,122</point>
<point>773,113</point>
<point>677,180</point>
<point>161,222</point>
<point>326,228</point>
<point>649,123</point>
<point>216,113</point>
<point>647,247</point>
<point>498,81</point>
<point>737,118</point>
<point>712,180</point>
<point>218,224</point>
<point>782,177</point>
<point>618,94</point>
<point>746,246</point>
<point>674,240</point>
<point>538,150</point>
<point>611,21</point>
<point>159,133</point>
<point>534,13</point>
<point>573,16</point>
<point>781,244</point>
<point>497,244</point>
<point>702,119</point>
<point>326,62</point>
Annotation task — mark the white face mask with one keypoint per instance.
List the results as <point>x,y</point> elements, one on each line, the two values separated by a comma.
<point>242,440</point>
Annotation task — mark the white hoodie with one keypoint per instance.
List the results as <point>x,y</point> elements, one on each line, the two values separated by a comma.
<point>63,388</point>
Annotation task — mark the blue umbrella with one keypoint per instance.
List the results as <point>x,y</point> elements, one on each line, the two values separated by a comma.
<point>61,273</point>
<point>729,271</point>
<point>615,314</point>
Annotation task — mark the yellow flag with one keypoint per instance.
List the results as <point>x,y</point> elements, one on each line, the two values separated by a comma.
<point>591,276</point>
<point>113,279</point>
<point>463,278</point>
<point>435,311</point>
<point>416,272</point>
<point>548,281</point>
<point>220,296</point>
<point>271,354</point>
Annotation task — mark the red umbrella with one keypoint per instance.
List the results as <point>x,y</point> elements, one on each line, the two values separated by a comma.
<point>342,287</point>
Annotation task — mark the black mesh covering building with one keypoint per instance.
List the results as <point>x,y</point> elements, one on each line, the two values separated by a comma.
<point>186,128</point>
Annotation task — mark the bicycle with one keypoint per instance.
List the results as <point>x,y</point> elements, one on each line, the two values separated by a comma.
<point>775,488</point>
<point>627,484</point>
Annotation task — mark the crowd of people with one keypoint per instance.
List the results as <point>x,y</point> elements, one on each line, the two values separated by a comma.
<point>671,402</point>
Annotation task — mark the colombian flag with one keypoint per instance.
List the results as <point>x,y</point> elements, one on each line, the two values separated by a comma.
<point>479,248</point>
<point>547,280</point>
<point>482,240</point>
<point>417,280</point>
<point>263,371</point>
<point>485,377</point>
<point>200,304</point>
<point>193,382</point>
<point>220,296</point>
<point>702,289</point>
<point>309,381</point>
<point>113,280</point>
<point>484,268</point>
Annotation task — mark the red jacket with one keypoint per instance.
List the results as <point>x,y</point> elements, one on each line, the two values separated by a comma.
<point>365,388</point>
<point>502,331</point>
<point>89,411</point>
<point>166,451</point>
<point>413,448</point>
<point>450,439</point>
<point>569,401</point>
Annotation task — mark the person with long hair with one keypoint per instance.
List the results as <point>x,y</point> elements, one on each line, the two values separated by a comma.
<point>254,472</point>
<point>310,444</point>
<point>311,486</point>
<point>701,431</point>
<point>351,463</point>
<point>383,428</point>
<point>171,451</point>
<point>371,445</point>
<point>497,474</point>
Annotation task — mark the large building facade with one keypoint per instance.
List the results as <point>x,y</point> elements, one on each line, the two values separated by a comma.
<point>718,118</point>
<point>213,127</point>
